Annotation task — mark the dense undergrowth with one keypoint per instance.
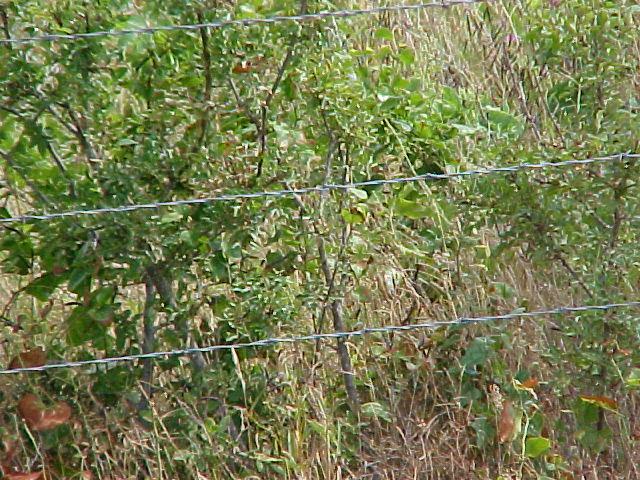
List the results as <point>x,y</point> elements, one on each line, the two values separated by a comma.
<point>174,115</point>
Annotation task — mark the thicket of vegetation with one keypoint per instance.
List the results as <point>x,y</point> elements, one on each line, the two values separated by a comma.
<point>173,115</point>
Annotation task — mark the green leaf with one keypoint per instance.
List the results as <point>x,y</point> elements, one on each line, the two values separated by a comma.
<point>536,446</point>
<point>501,121</point>
<point>477,353</point>
<point>317,427</point>
<point>355,215</point>
<point>359,194</point>
<point>113,384</point>
<point>42,287</point>
<point>406,56</point>
<point>219,268</point>
<point>464,130</point>
<point>377,410</point>
<point>384,33</point>
<point>171,217</point>
<point>485,431</point>
<point>410,209</point>
<point>103,296</point>
<point>504,290</point>
<point>79,280</point>
<point>633,380</point>
<point>82,327</point>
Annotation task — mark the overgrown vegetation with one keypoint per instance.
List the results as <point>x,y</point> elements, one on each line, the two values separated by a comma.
<point>174,115</point>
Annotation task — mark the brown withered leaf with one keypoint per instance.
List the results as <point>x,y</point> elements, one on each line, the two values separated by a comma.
<point>530,383</point>
<point>243,67</point>
<point>247,66</point>
<point>603,402</point>
<point>23,475</point>
<point>31,358</point>
<point>40,418</point>
<point>507,422</point>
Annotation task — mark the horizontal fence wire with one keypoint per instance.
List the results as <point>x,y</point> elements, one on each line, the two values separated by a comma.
<point>327,336</point>
<point>243,22</point>
<point>317,189</point>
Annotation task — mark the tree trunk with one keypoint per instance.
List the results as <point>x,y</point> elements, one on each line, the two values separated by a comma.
<point>338,325</point>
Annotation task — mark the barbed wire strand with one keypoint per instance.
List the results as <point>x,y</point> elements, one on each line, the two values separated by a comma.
<point>326,336</point>
<point>244,22</point>
<point>316,189</point>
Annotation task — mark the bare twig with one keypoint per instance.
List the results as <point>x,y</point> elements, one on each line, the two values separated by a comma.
<point>339,326</point>
<point>619,189</point>
<point>148,345</point>
<point>243,106</point>
<point>87,148</point>
<point>574,274</point>
<point>261,122</point>
<point>330,280</point>
<point>5,24</point>
<point>208,79</point>
<point>162,283</point>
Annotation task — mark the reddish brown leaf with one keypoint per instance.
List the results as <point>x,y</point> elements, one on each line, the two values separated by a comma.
<point>506,423</point>
<point>10,449</point>
<point>30,358</point>
<point>38,417</point>
<point>602,402</point>
<point>530,383</point>
<point>247,66</point>
<point>244,67</point>
<point>23,475</point>
<point>58,270</point>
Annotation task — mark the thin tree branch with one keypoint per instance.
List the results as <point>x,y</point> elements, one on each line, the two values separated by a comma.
<point>162,283</point>
<point>574,274</point>
<point>148,346</point>
<point>243,106</point>
<point>5,25</point>
<point>208,79</point>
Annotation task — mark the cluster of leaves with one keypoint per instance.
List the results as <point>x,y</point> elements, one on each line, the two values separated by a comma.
<point>174,115</point>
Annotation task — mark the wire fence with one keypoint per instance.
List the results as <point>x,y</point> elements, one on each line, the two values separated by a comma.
<point>316,189</point>
<point>268,342</point>
<point>244,22</point>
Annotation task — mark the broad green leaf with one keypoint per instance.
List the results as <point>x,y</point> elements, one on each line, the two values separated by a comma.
<point>359,194</point>
<point>317,427</point>
<point>43,287</point>
<point>633,379</point>
<point>377,410</point>
<point>411,209</point>
<point>82,327</point>
<point>485,431</point>
<point>355,215</point>
<point>477,353</point>
<point>601,401</point>
<point>536,446</point>
<point>171,217</point>
<point>406,56</point>
<point>384,33</point>
<point>79,279</point>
